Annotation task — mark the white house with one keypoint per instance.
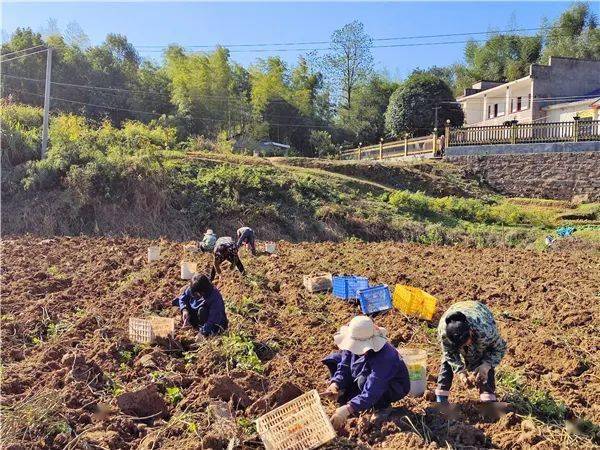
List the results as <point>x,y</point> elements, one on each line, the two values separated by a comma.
<point>532,98</point>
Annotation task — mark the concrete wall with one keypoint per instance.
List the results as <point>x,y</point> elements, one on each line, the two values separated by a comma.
<point>508,149</point>
<point>543,175</point>
<point>563,77</point>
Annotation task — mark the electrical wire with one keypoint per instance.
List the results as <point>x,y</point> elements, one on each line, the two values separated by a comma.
<point>275,44</point>
<point>23,50</point>
<point>159,114</point>
<point>22,56</point>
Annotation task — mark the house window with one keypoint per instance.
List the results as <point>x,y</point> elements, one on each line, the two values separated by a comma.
<point>501,109</point>
<point>490,112</point>
<point>526,102</point>
<point>512,105</point>
<point>519,103</point>
<point>495,109</point>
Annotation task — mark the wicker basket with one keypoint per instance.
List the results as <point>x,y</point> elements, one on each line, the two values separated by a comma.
<point>298,425</point>
<point>317,282</point>
<point>145,331</point>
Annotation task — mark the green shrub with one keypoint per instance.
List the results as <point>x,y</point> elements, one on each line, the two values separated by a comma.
<point>21,133</point>
<point>240,352</point>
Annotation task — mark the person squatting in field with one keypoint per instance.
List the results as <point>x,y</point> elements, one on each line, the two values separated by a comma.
<point>367,373</point>
<point>202,307</point>
<point>225,250</point>
<point>470,342</point>
<point>245,236</point>
<point>208,241</point>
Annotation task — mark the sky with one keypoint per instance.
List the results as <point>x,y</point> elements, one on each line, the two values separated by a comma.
<point>187,23</point>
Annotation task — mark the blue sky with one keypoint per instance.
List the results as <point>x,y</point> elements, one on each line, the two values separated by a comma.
<point>158,23</point>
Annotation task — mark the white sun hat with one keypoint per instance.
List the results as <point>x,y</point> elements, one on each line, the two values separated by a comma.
<point>360,336</point>
<point>209,231</point>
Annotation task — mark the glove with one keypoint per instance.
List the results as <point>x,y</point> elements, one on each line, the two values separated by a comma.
<point>185,317</point>
<point>340,416</point>
<point>332,391</point>
<point>481,372</point>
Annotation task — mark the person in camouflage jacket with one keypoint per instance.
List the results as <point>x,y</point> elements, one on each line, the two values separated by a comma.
<point>470,342</point>
<point>225,250</point>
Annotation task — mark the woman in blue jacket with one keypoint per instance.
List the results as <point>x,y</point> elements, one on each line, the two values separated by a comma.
<point>367,373</point>
<point>202,307</point>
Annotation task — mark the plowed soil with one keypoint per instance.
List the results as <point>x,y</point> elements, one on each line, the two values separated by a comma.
<point>66,356</point>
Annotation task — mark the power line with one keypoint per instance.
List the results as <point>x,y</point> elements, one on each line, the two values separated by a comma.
<point>159,114</point>
<point>23,50</point>
<point>23,56</point>
<point>274,44</point>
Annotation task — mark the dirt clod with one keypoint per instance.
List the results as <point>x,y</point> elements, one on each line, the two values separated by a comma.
<point>144,403</point>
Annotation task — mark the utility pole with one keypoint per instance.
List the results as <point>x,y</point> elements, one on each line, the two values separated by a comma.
<point>46,102</point>
<point>436,108</point>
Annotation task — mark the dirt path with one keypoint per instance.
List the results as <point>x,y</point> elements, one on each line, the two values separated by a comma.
<point>66,304</point>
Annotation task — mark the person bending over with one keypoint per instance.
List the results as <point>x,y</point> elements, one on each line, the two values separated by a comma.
<point>245,236</point>
<point>202,307</point>
<point>225,250</point>
<point>471,349</point>
<point>367,373</point>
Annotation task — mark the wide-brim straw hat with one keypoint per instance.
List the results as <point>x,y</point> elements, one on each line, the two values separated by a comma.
<point>360,336</point>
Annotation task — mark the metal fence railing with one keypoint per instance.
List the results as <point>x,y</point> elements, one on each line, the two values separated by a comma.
<point>406,147</point>
<point>521,133</point>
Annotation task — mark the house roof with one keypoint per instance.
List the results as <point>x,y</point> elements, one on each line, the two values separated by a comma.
<point>591,98</point>
<point>275,144</point>
<point>485,91</point>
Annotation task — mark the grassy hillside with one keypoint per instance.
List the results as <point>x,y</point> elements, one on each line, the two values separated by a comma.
<point>141,180</point>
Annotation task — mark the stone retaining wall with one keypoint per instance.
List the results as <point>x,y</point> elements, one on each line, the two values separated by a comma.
<point>543,175</point>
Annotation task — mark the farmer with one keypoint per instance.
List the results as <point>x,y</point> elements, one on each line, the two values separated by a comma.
<point>225,250</point>
<point>202,307</point>
<point>470,343</point>
<point>367,373</point>
<point>245,236</point>
<point>208,241</point>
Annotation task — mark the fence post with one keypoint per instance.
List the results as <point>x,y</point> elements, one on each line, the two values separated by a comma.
<point>435,142</point>
<point>380,148</point>
<point>359,151</point>
<point>513,132</point>
<point>405,144</point>
<point>576,128</point>
<point>447,134</point>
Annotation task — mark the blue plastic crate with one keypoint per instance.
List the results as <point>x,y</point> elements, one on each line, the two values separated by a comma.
<point>346,286</point>
<point>375,299</point>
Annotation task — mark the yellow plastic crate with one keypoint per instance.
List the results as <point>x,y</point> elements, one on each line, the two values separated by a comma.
<point>414,301</point>
<point>300,424</point>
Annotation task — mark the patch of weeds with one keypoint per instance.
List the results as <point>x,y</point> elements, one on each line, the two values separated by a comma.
<point>536,321</point>
<point>240,351</point>
<point>531,401</point>
<point>430,332</point>
<point>36,340</point>
<point>189,358</point>
<point>56,273</point>
<point>246,307</point>
<point>55,329</point>
<point>61,427</point>
<point>174,395</point>
<point>256,280</point>
<point>127,356</point>
<point>112,386</point>
<point>80,313</point>
<point>38,415</point>
<point>248,426</point>
<point>7,318</point>
<point>292,310</point>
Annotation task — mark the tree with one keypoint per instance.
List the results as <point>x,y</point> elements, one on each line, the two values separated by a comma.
<point>365,118</point>
<point>350,60</point>
<point>575,34</point>
<point>320,141</point>
<point>411,107</point>
<point>503,57</point>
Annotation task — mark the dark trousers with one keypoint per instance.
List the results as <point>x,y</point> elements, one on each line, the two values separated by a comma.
<point>389,396</point>
<point>247,237</point>
<point>198,318</point>
<point>234,260</point>
<point>446,376</point>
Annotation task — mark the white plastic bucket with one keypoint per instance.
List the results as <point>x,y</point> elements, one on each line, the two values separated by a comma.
<point>270,247</point>
<point>153,253</point>
<point>188,269</point>
<point>416,363</point>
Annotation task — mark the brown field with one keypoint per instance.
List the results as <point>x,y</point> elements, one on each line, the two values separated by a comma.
<point>66,355</point>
